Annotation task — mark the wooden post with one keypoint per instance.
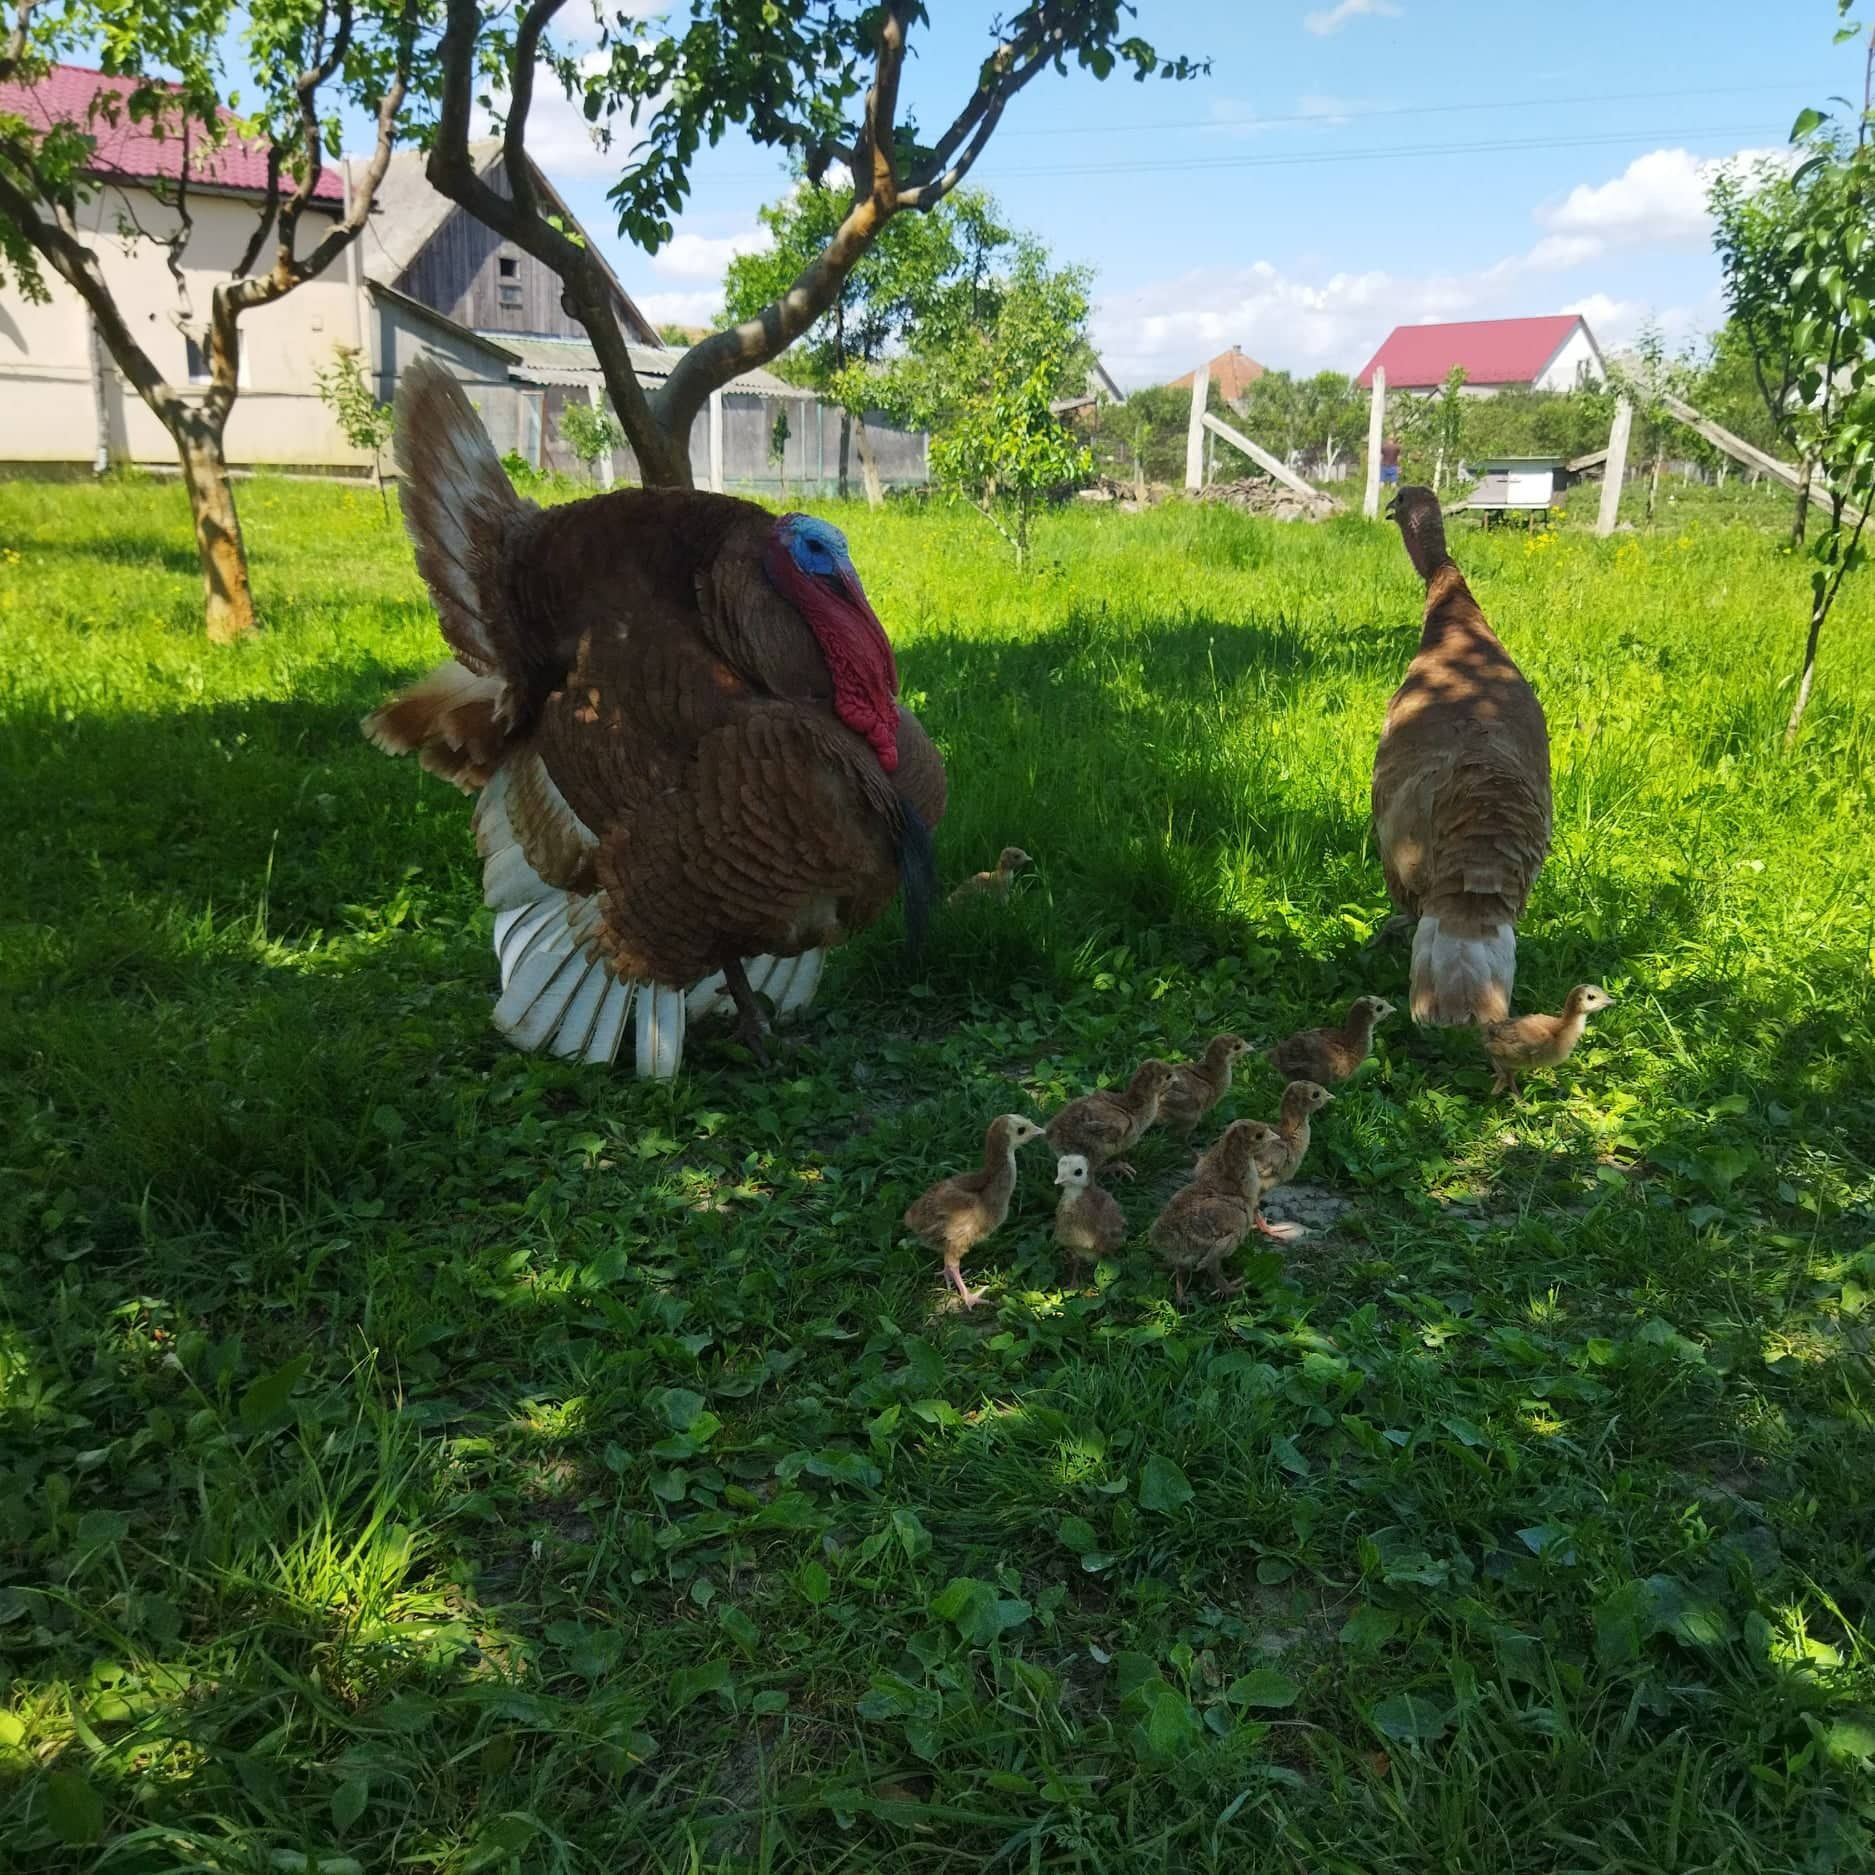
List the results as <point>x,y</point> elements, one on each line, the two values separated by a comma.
<point>1194,436</point>
<point>1616,468</point>
<point>1269,464</point>
<point>1376,430</point>
<point>716,441</point>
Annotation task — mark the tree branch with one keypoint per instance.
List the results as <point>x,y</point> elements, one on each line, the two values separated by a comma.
<point>263,226</point>
<point>307,87</point>
<point>534,22</point>
<point>78,267</point>
<point>516,217</point>
<point>16,42</point>
<point>710,364</point>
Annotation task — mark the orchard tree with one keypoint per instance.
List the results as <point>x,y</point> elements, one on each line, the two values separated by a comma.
<point>311,56</point>
<point>363,421</point>
<point>818,81</point>
<point>926,275</point>
<point>1811,304</point>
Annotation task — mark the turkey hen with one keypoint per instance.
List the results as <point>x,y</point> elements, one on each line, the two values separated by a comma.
<point>682,716</point>
<point>1461,791</point>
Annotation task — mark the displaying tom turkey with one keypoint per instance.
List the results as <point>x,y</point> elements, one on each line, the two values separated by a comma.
<point>682,716</point>
<point>1461,791</point>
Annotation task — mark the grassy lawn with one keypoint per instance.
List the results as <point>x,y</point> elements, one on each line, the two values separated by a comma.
<point>417,1456</point>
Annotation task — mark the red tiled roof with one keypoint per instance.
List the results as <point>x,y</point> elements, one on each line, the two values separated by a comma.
<point>1233,372</point>
<point>134,151</point>
<point>1493,351</point>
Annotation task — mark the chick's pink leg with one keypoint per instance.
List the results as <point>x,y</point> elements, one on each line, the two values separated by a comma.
<point>969,1297</point>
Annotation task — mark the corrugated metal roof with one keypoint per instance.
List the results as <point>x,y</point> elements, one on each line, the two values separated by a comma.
<point>573,361</point>
<point>1493,351</point>
<point>150,149</point>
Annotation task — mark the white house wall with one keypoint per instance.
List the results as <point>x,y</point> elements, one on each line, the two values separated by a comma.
<point>1575,364</point>
<point>46,409</point>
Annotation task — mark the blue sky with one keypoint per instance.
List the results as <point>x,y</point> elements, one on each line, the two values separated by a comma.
<point>1348,165</point>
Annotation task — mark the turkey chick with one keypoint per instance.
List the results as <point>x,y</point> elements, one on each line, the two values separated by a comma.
<point>956,1214</point>
<point>1089,1223</point>
<point>1525,1042</point>
<point>1328,1056</point>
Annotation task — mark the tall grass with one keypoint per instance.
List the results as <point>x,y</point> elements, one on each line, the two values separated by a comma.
<point>415,1454</point>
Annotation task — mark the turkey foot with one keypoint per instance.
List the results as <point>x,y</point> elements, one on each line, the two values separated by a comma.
<point>968,1296</point>
<point>749,1021</point>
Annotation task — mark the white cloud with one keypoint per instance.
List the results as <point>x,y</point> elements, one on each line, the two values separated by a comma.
<point>697,308</point>
<point>562,143</point>
<point>704,257</point>
<point>1332,19</point>
<point>1659,199</point>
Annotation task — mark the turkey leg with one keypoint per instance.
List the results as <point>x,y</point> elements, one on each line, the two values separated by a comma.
<point>749,1025</point>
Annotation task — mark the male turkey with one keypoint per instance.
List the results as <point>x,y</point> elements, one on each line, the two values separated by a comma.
<point>683,718</point>
<point>1461,791</point>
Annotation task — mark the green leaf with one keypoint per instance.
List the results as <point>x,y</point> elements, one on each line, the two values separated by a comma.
<point>348,1802</point>
<point>1263,1686</point>
<point>1163,1486</point>
<point>265,1402</point>
<point>1171,1725</point>
<point>974,1609</point>
<point>679,1407</point>
<point>1408,1716</point>
<point>73,1809</point>
<point>101,1529</point>
<point>1076,1534</point>
<point>1808,119</point>
<point>691,1683</point>
<point>1369,1628</point>
<point>912,1535</point>
<point>814,1583</point>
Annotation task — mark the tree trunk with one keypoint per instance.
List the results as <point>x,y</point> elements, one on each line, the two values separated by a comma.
<point>846,444</point>
<point>229,603</point>
<point>377,475</point>
<point>875,494</point>
<point>1800,521</point>
<point>1807,681</point>
<point>1653,488</point>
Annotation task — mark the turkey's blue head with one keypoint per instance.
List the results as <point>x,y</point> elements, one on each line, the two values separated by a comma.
<point>808,564</point>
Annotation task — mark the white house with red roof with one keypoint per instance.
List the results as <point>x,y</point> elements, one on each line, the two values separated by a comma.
<point>49,396</point>
<point>1554,353</point>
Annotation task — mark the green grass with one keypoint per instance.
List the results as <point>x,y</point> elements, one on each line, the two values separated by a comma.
<point>416,1456</point>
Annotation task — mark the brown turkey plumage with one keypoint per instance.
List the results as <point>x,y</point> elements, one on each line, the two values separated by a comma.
<point>682,716</point>
<point>1461,791</point>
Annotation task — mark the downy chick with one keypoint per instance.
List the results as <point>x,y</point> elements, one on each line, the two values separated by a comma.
<point>1089,1223</point>
<point>1525,1042</point>
<point>1102,1124</point>
<point>1329,1056</point>
<point>1212,1215</point>
<point>1197,1087</point>
<point>996,882</point>
<point>956,1214</point>
<point>1278,1163</point>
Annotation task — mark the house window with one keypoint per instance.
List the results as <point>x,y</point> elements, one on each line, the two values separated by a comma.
<point>508,280</point>
<point>508,292</point>
<point>509,266</point>
<point>199,371</point>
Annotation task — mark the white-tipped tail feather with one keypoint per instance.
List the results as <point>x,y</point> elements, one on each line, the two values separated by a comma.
<point>558,992</point>
<point>1460,980</point>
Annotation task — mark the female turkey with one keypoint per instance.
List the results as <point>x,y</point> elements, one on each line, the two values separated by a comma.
<point>1461,791</point>
<point>683,718</point>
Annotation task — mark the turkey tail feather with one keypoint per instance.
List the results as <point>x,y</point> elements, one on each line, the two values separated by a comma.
<point>1460,979</point>
<point>917,873</point>
<point>459,508</point>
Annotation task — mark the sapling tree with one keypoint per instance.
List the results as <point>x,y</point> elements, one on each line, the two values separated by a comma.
<point>819,81</point>
<point>363,421</point>
<point>591,432</point>
<point>1819,301</point>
